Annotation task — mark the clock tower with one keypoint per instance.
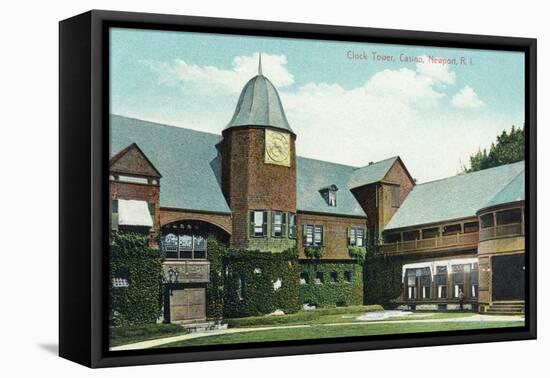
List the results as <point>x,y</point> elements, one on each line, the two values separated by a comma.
<point>259,169</point>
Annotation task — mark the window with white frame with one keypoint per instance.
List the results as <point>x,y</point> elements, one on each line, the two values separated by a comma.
<point>313,235</point>
<point>278,224</point>
<point>357,236</point>
<point>258,223</point>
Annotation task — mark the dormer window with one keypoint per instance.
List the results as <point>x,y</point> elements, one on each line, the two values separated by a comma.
<point>329,194</point>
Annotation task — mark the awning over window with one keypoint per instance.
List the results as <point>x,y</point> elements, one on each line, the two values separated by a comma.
<point>134,213</point>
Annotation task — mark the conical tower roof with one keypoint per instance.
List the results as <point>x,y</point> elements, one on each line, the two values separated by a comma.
<point>259,105</point>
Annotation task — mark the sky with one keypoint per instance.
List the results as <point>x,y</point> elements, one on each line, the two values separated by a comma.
<point>347,102</point>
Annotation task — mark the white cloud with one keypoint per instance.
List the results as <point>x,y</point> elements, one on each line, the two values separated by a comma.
<point>395,112</point>
<point>438,72</point>
<point>466,98</point>
<point>405,85</point>
<point>210,79</point>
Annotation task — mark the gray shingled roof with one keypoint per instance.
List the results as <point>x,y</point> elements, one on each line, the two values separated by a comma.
<point>190,166</point>
<point>313,175</point>
<point>371,173</point>
<point>513,192</point>
<point>456,197</point>
<point>259,105</point>
<point>187,160</point>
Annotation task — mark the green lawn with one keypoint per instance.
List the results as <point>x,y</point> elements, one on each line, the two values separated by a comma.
<point>133,334</point>
<point>324,331</point>
<point>332,315</point>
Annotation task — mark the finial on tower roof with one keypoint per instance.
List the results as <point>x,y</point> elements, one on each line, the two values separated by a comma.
<point>260,65</point>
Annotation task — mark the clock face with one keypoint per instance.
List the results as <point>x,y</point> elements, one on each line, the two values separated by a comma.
<point>277,148</point>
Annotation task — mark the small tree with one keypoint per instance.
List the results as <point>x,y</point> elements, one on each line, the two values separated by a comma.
<point>509,148</point>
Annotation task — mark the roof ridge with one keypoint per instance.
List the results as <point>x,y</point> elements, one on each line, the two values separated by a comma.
<point>378,162</point>
<point>165,125</point>
<point>472,173</point>
<point>326,161</point>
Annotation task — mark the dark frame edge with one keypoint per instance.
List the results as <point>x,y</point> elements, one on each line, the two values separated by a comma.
<point>75,50</point>
<point>82,340</point>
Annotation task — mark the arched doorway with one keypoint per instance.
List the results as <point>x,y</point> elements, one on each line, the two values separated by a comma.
<point>186,269</point>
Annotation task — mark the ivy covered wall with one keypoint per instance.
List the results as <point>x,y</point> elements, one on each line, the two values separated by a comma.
<point>331,283</point>
<point>258,283</point>
<point>382,279</point>
<point>215,288</point>
<point>134,280</point>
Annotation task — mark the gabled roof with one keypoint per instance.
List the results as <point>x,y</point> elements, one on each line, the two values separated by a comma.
<point>513,192</point>
<point>191,169</point>
<point>455,197</point>
<point>313,175</point>
<point>188,161</point>
<point>371,173</point>
<point>132,160</point>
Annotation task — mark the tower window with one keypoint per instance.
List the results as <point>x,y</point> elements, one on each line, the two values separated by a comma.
<point>258,224</point>
<point>292,226</point>
<point>278,226</point>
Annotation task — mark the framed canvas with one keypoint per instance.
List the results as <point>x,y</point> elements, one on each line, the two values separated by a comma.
<point>235,188</point>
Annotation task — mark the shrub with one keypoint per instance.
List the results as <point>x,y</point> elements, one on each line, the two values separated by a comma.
<point>383,279</point>
<point>132,261</point>
<point>341,292</point>
<point>249,282</point>
<point>215,288</point>
<point>314,252</point>
<point>358,253</point>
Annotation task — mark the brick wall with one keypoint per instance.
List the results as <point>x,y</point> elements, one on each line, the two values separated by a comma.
<point>222,221</point>
<point>250,184</point>
<point>335,229</point>
<point>379,206</point>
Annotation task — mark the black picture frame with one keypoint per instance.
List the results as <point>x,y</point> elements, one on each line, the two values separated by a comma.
<point>83,166</point>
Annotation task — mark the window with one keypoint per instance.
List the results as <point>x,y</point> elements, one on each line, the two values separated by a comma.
<point>411,235</point>
<point>278,224</point>
<point>258,224</point>
<point>425,282</point>
<point>452,229</point>
<point>471,227</point>
<point>429,233</point>
<point>487,221</point>
<point>313,235</point>
<point>348,276</point>
<point>292,226</point>
<point>332,198</point>
<point>357,236</point>
<point>240,288</point>
<point>319,278</point>
<point>395,195</point>
<point>333,277</point>
<point>133,179</point>
<point>304,278</point>
<point>120,282</point>
<point>329,194</point>
<point>441,281</point>
<point>509,217</point>
<point>318,236</point>
<point>114,214</point>
<point>184,246</point>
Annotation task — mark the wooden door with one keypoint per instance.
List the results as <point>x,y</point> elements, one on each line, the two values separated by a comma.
<point>188,304</point>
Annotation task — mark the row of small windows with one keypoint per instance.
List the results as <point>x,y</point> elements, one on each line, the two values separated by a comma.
<point>278,224</point>
<point>319,279</point>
